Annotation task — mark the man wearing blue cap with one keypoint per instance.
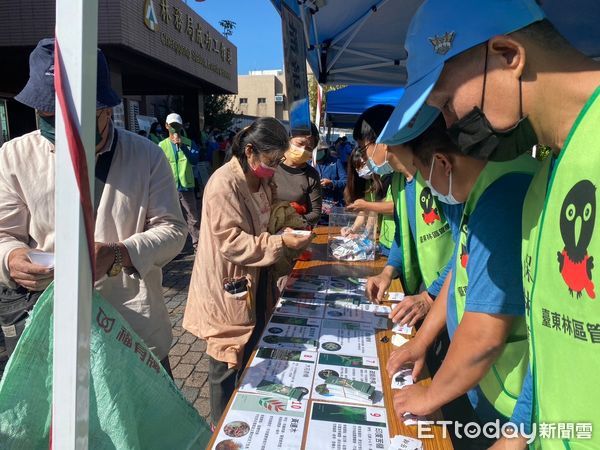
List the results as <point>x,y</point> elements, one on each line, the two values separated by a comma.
<point>538,89</point>
<point>139,225</point>
<point>481,304</point>
<point>423,242</point>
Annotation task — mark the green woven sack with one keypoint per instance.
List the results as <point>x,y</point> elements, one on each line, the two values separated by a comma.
<point>133,402</point>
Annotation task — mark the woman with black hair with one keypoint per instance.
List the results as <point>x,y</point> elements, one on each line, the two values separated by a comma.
<point>368,187</point>
<point>298,183</point>
<point>230,292</point>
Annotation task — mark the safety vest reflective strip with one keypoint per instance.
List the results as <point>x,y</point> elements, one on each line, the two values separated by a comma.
<point>503,382</point>
<point>560,251</point>
<point>181,167</point>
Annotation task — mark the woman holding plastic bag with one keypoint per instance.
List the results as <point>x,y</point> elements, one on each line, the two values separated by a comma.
<point>230,288</point>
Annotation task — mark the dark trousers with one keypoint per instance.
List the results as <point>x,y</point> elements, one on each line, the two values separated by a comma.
<point>189,203</point>
<point>221,379</point>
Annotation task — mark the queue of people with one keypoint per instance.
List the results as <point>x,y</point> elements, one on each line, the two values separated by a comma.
<point>140,224</point>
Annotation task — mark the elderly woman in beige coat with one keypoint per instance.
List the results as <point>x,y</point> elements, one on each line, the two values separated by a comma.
<point>226,302</point>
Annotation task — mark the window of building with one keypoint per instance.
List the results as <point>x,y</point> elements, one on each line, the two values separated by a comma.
<point>243,101</point>
<point>262,100</point>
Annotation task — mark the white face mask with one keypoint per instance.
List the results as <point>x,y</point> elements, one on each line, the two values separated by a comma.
<point>447,199</point>
<point>365,172</point>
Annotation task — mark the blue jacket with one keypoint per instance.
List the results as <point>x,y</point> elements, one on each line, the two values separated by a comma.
<point>344,152</point>
<point>332,169</point>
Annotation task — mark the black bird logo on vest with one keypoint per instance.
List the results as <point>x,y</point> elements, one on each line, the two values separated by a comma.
<point>577,220</point>
<point>430,213</point>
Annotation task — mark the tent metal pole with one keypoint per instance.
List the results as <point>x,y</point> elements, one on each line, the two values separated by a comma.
<point>359,53</point>
<point>348,29</point>
<point>356,28</point>
<point>77,36</point>
<point>363,67</point>
<point>304,25</point>
<point>317,43</point>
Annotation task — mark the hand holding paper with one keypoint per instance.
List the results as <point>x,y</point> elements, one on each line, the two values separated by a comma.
<point>412,352</point>
<point>412,309</point>
<point>413,399</point>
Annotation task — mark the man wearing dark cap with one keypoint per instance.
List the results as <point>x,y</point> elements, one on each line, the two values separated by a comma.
<point>139,225</point>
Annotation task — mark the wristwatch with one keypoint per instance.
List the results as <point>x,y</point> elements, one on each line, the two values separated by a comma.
<point>117,266</point>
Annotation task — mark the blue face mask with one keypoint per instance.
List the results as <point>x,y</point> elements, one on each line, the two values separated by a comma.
<point>384,169</point>
<point>448,199</point>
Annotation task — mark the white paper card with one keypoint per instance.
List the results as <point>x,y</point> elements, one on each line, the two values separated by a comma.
<point>261,421</point>
<point>347,338</point>
<point>395,296</point>
<point>293,368</point>
<point>295,333</point>
<point>337,426</point>
<point>400,442</point>
<point>365,369</point>
<point>398,340</point>
<point>410,419</point>
<point>402,378</point>
<point>402,329</point>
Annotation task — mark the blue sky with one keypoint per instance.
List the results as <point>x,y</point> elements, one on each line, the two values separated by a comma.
<point>257,35</point>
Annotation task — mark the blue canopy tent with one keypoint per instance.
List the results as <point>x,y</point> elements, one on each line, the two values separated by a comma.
<point>345,105</point>
<point>362,41</point>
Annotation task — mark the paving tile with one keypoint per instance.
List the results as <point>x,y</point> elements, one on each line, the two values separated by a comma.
<point>190,393</point>
<point>199,346</point>
<point>196,379</point>
<point>191,357</point>
<point>174,360</point>
<point>202,405</point>
<point>188,338</point>
<point>179,349</point>
<point>183,370</point>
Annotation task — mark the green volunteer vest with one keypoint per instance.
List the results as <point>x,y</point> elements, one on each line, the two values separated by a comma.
<point>503,382</point>
<point>388,226</point>
<point>434,238</point>
<point>423,259</point>
<point>181,167</point>
<point>560,250</point>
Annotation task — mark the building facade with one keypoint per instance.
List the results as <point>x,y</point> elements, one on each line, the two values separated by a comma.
<point>261,93</point>
<point>163,57</point>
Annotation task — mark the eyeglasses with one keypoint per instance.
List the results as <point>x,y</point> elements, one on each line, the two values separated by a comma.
<point>272,163</point>
<point>363,149</point>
